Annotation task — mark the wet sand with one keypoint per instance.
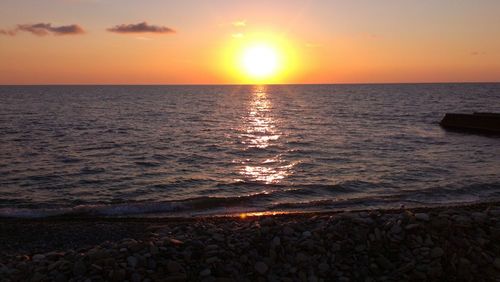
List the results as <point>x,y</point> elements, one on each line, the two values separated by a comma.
<point>460,243</point>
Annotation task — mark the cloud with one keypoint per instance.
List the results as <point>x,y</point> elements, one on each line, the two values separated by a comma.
<point>140,28</point>
<point>7,32</point>
<point>477,53</point>
<point>242,23</point>
<point>42,29</point>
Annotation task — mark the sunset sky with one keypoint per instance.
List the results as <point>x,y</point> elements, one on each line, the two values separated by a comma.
<point>205,42</point>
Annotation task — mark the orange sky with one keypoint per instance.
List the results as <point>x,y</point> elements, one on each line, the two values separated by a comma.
<point>200,42</point>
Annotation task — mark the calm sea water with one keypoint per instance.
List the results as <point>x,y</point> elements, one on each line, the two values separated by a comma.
<point>197,150</point>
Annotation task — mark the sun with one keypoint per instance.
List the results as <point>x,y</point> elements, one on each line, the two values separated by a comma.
<point>260,61</point>
<point>258,58</point>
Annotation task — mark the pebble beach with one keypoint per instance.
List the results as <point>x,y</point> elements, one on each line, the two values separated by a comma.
<point>460,243</point>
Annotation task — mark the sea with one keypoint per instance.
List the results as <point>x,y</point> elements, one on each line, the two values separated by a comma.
<point>212,150</point>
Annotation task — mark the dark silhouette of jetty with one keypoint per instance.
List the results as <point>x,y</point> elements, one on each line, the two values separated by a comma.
<point>477,122</point>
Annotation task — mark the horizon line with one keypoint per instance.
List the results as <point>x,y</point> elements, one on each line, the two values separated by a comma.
<point>246,84</point>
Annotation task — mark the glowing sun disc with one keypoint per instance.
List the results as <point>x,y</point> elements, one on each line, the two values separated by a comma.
<point>260,61</point>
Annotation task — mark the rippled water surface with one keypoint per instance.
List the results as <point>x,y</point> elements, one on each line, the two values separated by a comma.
<point>194,150</point>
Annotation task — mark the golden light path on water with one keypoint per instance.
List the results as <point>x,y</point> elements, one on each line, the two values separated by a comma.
<point>259,132</point>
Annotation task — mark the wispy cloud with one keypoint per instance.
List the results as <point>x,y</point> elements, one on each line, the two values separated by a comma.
<point>477,53</point>
<point>142,27</point>
<point>8,32</point>
<point>42,29</point>
<point>47,28</point>
<point>240,23</point>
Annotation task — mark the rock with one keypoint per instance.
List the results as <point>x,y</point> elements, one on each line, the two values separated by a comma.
<point>301,257</point>
<point>384,262</point>
<point>407,267</point>
<point>135,277</point>
<point>439,222</point>
<point>118,275</point>
<point>134,246</point>
<point>496,263</point>
<point>175,241</point>
<point>288,230</point>
<point>422,216</point>
<point>218,237</point>
<point>79,268</point>
<point>359,248</point>
<point>96,254</point>
<point>175,278</point>
<point>495,212</point>
<point>396,229</point>
<point>378,234</point>
<point>60,277</point>
<point>267,221</point>
<point>244,258</point>
<point>276,241</point>
<point>437,252</point>
<point>335,247</point>
<point>37,277</point>
<point>132,261</point>
<point>412,226</point>
<point>212,247</point>
<point>306,234</point>
<point>361,220</point>
<point>175,267</point>
<point>313,278</point>
<point>479,216</point>
<point>153,250</point>
<point>261,267</point>
<point>212,260</point>
<point>54,265</point>
<point>38,257</point>
<point>205,272</point>
<point>323,267</point>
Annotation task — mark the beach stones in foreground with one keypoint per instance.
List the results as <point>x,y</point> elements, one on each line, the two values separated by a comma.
<point>457,244</point>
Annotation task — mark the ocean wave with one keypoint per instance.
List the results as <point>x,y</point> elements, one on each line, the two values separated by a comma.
<point>185,207</point>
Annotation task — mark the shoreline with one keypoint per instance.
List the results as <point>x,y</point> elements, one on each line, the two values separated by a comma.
<point>452,243</point>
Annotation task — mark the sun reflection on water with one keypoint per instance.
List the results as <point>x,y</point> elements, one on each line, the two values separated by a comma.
<point>260,132</point>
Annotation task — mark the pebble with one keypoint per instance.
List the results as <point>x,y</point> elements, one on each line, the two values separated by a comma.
<point>118,274</point>
<point>174,267</point>
<point>384,262</point>
<point>422,216</point>
<point>205,272</point>
<point>135,277</point>
<point>496,263</point>
<point>321,248</point>
<point>38,257</point>
<point>218,237</point>
<point>261,267</point>
<point>412,226</point>
<point>276,241</point>
<point>267,221</point>
<point>132,261</point>
<point>324,267</point>
<point>212,247</point>
<point>79,268</point>
<point>288,230</point>
<point>153,249</point>
<point>437,252</point>
<point>396,229</point>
